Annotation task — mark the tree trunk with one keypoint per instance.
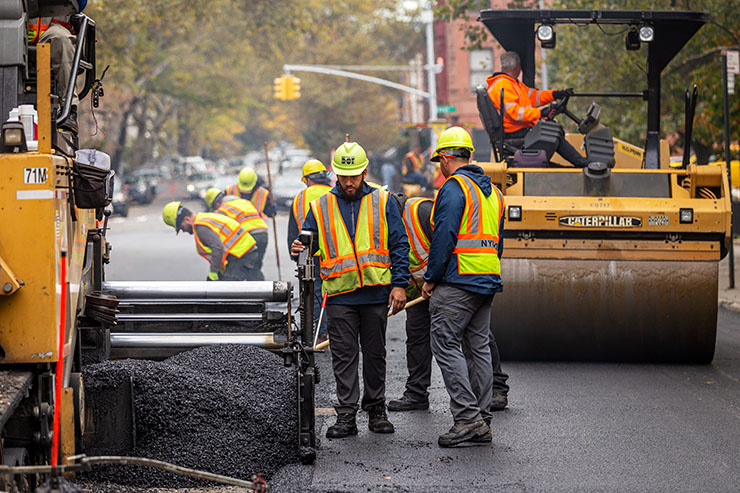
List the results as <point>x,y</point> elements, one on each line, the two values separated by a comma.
<point>121,140</point>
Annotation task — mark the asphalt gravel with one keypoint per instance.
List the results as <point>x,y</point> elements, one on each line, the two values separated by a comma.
<point>228,409</point>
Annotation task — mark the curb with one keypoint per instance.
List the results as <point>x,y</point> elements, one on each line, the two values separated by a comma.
<point>730,305</point>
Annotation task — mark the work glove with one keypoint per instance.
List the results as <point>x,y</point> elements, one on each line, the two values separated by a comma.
<point>212,276</point>
<point>548,112</point>
<point>561,93</point>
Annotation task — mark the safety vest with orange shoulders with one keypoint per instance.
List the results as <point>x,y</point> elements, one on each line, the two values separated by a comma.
<point>412,163</point>
<point>236,240</point>
<point>39,25</point>
<point>520,102</point>
<point>347,266</point>
<point>477,240</point>
<point>302,200</point>
<point>243,212</point>
<point>418,245</point>
<point>257,196</point>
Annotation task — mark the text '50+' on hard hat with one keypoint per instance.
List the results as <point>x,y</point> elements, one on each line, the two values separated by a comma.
<point>349,159</point>
<point>453,138</point>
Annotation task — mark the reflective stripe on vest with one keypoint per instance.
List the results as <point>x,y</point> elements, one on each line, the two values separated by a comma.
<point>259,199</point>
<point>39,25</point>
<point>346,266</point>
<point>232,190</point>
<point>302,200</point>
<point>235,239</point>
<point>477,240</point>
<point>243,212</point>
<point>418,241</point>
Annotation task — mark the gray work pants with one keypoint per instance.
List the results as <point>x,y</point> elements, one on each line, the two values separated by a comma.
<point>62,57</point>
<point>418,352</point>
<point>460,332</point>
<point>242,269</point>
<point>353,328</point>
<point>262,238</point>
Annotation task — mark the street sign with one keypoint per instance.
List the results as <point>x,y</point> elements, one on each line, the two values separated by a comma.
<point>446,109</point>
<point>733,61</point>
<point>730,83</point>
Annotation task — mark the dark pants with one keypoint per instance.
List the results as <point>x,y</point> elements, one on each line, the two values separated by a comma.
<point>262,239</point>
<point>419,355</point>
<point>355,328</point>
<point>566,150</point>
<point>418,352</point>
<point>242,269</point>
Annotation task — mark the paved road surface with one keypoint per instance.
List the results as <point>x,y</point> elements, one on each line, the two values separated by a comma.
<point>569,427</point>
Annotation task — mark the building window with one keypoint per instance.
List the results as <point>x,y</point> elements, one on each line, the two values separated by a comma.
<point>481,66</point>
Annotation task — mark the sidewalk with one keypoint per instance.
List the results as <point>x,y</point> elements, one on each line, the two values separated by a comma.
<point>730,298</point>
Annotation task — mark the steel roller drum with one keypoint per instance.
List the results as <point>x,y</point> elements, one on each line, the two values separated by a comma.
<point>606,310</point>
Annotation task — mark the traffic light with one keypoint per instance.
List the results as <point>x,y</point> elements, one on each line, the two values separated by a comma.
<point>281,88</point>
<point>295,85</point>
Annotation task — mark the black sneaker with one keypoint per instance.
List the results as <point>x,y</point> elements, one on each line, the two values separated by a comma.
<point>463,432</point>
<point>378,421</point>
<point>406,403</point>
<point>345,426</point>
<point>499,401</point>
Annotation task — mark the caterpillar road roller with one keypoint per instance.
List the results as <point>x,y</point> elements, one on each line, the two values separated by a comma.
<point>617,261</point>
<point>57,312</point>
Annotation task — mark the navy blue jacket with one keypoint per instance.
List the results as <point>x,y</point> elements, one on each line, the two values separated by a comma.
<point>398,246</point>
<point>448,212</point>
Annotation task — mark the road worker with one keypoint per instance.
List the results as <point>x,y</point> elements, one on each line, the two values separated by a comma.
<point>317,181</point>
<point>364,250</point>
<point>245,213</point>
<point>463,273</point>
<point>230,250</point>
<point>417,220</point>
<point>521,105</point>
<point>413,167</point>
<point>247,188</point>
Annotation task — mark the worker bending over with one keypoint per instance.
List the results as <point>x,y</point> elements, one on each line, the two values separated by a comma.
<point>417,220</point>
<point>521,105</point>
<point>246,214</point>
<point>365,269</point>
<point>230,250</point>
<point>316,178</point>
<point>463,273</point>
<point>247,188</point>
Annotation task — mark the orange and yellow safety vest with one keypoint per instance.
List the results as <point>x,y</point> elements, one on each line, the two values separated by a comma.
<point>347,266</point>
<point>418,245</point>
<point>302,200</point>
<point>235,239</point>
<point>245,213</point>
<point>39,25</point>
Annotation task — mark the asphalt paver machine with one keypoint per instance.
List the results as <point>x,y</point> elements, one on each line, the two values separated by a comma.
<point>617,261</point>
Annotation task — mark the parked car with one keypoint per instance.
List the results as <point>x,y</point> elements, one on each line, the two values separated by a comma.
<point>198,183</point>
<point>286,186</point>
<point>140,189</point>
<point>121,202</point>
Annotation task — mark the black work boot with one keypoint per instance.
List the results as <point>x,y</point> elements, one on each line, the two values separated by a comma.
<point>407,403</point>
<point>499,401</point>
<point>345,426</point>
<point>463,432</point>
<point>378,420</point>
<point>70,124</point>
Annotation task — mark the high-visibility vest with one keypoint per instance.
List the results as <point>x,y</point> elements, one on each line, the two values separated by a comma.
<point>346,266</point>
<point>39,25</point>
<point>258,196</point>
<point>414,160</point>
<point>418,245</point>
<point>302,200</point>
<point>235,239</point>
<point>477,241</point>
<point>243,212</point>
<point>520,102</point>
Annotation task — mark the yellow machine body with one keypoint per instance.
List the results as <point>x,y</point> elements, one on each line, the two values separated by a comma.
<point>611,274</point>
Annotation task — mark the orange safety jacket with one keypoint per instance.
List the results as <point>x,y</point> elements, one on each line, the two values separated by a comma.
<point>245,213</point>
<point>39,25</point>
<point>235,239</point>
<point>412,163</point>
<point>521,103</point>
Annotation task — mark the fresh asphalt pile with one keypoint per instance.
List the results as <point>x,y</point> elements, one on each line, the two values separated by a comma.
<point>228,409</point>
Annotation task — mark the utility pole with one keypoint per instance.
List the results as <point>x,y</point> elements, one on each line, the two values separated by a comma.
<point>543,67</point>
<point>427,17</point>
<point>727,78</point>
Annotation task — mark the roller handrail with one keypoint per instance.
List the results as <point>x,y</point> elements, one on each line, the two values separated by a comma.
<point>86,42</point>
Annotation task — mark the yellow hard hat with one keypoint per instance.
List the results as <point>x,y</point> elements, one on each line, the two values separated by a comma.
<point>349,159</point>
<point>247,179</point>
<point>312,166</point>
<point>169,214</point>
<point>211,195</point>
<point>453,138</point>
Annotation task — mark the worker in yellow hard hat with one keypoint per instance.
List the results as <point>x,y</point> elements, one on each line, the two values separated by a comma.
<point>318,183</point>
<point>245,213</point>
<point>364,258</point>
<point>230,250</point>
<point>248,188</point>
<point>463,274</point>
